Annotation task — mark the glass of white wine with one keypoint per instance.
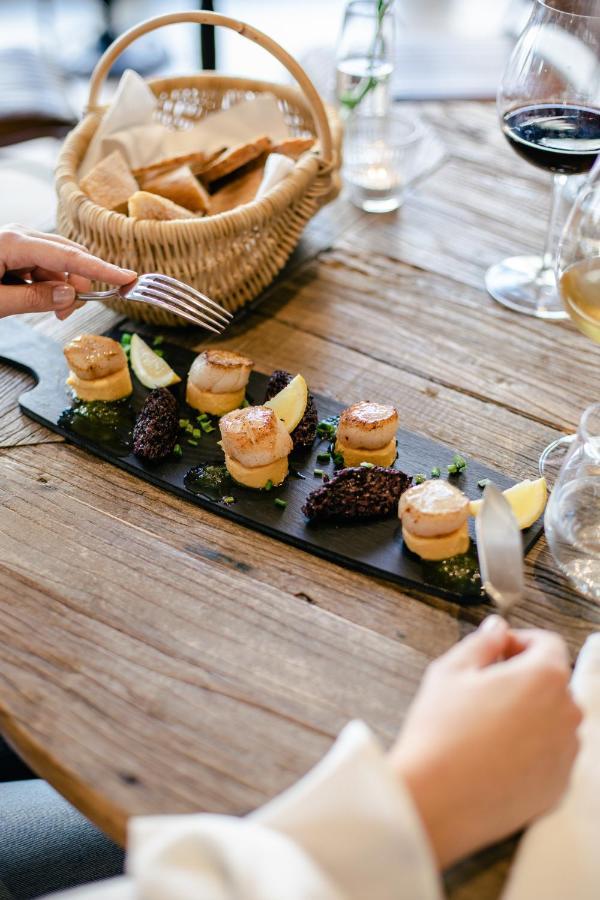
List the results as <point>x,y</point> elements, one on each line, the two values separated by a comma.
<point>578,280</point>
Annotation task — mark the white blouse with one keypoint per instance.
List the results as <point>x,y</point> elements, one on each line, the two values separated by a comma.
<point>349,831</point>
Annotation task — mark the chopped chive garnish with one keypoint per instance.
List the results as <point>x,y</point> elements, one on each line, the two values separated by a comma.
<point>280,503</point>
<point>435,472</point>
<point>125,338</point>
<point>326,428</point>
<point>202,417</point>
<point>206,427</point>
<point>244,404</point>
<point>159,352</point>
<point>228,500</point>
<point>189,428</point>
<point>158,340</point>
<point>420,478</point>
<point>177,450</point>
<point>196,432</point>
<point>367,465</point>
<point>324,457</point>
<point>268,485</point>
<point>338,459</point>
<point>483,483</point>
<point>318,473</point>
<point>183,423</point>
<point>458,465</point>
<point>192,443</point>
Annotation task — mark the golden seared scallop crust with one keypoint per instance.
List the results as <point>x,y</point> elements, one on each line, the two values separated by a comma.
<point>433,508</point>
<point>385,456</point>
<point>435,548</point>
<point>367,425</point>
<point>220,371</point>
<point>226,359</point>
<point>113,387</point>
<point>254,436</point>
<point>92,356</point>
<point>211,403</point>
<point>258,476</point>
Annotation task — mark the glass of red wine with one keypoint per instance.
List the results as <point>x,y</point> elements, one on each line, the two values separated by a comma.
<point>549,108</point>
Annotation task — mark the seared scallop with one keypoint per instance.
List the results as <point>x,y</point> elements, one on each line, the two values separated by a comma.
<point>254,436</point>
<point>91,356</point>
<point>367,426</point>
<point>220,371</point>
<point>433,508</point>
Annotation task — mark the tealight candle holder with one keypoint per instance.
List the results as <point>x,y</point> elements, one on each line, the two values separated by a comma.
<point>380,160</point>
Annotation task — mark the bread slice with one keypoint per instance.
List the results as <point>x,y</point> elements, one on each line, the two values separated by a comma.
<point>143,205</point>
<point>196,161</point>
<point>181,188</point>
<point>236,192</point>
<point>234,159</point>
<point>110,183</point>
<point>293,147</point>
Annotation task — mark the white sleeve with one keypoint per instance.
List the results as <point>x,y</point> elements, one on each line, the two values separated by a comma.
<point>346,831</point>
<point>558,856</point>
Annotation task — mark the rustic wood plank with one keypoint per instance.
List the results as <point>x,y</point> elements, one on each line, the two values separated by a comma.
<point>442,330</point>
<point>236,683</point>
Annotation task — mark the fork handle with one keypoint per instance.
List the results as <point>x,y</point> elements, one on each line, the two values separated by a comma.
<point>96,295</point>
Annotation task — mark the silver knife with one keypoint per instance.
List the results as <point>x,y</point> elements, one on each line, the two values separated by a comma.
<point>500,550</point>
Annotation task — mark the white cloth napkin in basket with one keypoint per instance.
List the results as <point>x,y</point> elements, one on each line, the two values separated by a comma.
<point>129,126</point>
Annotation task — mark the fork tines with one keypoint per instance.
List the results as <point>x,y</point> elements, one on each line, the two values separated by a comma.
<point>182,300</point>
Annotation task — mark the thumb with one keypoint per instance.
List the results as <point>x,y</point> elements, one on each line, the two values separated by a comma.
<point>39,296</point>
<point>482,648</point>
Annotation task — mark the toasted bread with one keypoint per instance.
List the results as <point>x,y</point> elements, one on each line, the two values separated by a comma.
<point>293,147</point>
<point>196,161</point>
<point>181,188</point>
<point>143,205</point>
<point>237,191</point>
<point>234,159</point>
<point>110,183</point>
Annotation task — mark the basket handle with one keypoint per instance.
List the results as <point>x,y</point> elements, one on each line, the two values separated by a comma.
<point>209,18</point>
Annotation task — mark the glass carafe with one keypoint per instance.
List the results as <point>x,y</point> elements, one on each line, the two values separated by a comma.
<point>572,519</point>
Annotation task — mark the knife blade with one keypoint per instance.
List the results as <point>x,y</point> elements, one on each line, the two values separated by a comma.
<point>500,550</point>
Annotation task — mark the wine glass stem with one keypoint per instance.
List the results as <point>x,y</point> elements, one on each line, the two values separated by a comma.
<point>549,257</point>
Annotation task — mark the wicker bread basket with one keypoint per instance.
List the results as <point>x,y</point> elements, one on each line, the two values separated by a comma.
<point>231,256</point>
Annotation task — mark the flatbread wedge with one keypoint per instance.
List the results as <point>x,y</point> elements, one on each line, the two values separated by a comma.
<point>110,183</point>
<point>293,147</point>
<point>234,159</point>
<point>181,188</point>
<point>143,205</point>
<point>236,192</point>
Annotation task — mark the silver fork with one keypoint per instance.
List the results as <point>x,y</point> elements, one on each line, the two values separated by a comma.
<point>172,295</point>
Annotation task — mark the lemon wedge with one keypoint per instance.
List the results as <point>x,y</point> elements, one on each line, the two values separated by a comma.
<point>527,500</point>
<point>290,403</point>
<point>149,368</point>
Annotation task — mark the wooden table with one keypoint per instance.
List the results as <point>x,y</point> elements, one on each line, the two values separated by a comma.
<point>159,659</point>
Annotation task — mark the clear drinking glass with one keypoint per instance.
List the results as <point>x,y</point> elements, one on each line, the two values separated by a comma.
<point>572,520</point>
<point>549,108</point>
<point>365,57</point>
<point>381,160</point>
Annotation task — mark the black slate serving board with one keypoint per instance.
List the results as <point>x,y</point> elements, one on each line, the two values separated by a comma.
<point>374,548</point>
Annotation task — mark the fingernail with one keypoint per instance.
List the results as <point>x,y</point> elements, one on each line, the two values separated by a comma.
<point>63,295</point>
<point>492,624</point>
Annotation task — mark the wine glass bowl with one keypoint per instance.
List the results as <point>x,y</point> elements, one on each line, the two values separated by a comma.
<point>549,110</point>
